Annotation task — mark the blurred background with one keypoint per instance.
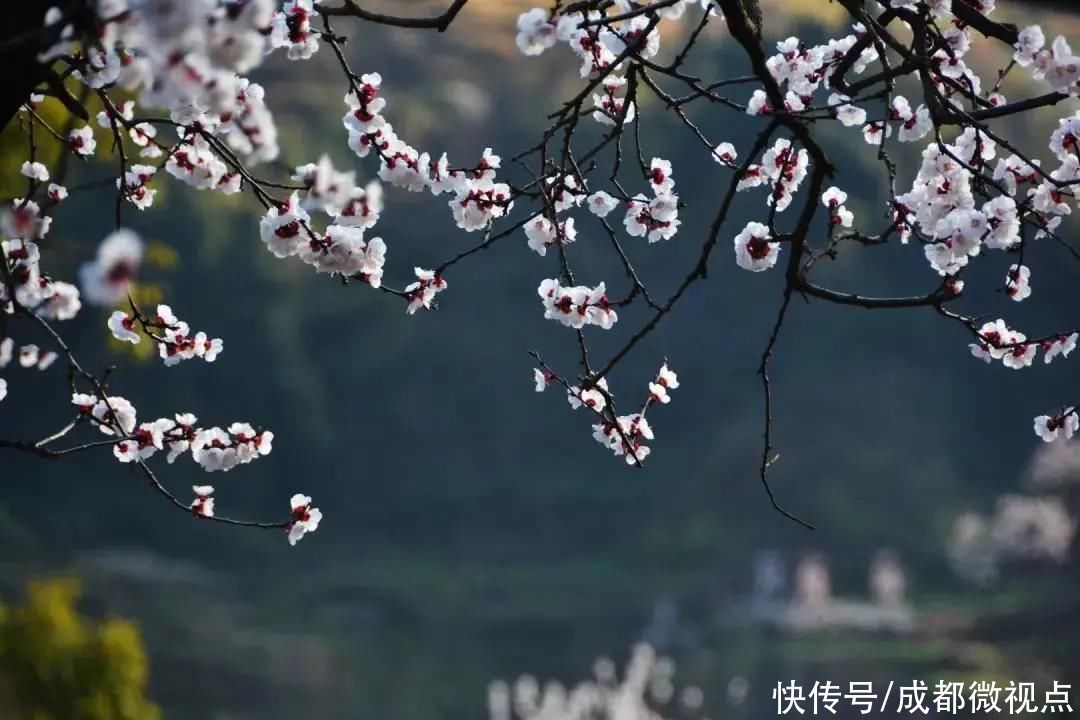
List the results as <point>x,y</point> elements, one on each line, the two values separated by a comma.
<point>473,528</point>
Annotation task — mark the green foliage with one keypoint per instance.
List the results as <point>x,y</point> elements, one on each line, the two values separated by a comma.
<point>58,665</point>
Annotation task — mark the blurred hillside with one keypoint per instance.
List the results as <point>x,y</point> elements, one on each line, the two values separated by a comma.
<point>473,528</point>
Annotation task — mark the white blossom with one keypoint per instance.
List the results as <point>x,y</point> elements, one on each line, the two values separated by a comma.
<point>203,504</point>
<point>1062,425</point>
<point>754,249</point>
<point>304,518</point>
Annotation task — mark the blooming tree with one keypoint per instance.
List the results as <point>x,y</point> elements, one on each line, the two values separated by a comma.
<point>646,691</point>
<point>169,79</point>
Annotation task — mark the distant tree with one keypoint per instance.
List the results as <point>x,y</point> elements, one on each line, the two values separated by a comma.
<point>58,665</point>
<point>160,85</point>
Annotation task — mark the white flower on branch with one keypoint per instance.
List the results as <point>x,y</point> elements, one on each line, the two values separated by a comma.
<point>35,171</point>
<point>82,141</point>
<point>541,378</point>
<point>1018,282</point>
<point>291,29</point>
<point>113,415</point>
<point>1062,425</point>
<point>754,249</point>
<point>655,219</point>
<point>304,518</point>
<point>591,398</point>
<point>421,294</point>
<point>1062,345</point>
<point>57,193</point>
<point>601,204</point>
<point>541,233</point>
<point>203,504</point>
<point>122,327</point>
<point>147,439</point>
<point>282,226</point>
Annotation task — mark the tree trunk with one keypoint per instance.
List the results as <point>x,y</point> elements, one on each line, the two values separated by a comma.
<point>19,48</point>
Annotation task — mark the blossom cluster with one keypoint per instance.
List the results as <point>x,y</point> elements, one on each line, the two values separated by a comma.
<point>782,170</point>
<point>973,193</point>
<point>623,435</point>
<point>477,198</point>
<point>1056,65</point>
<point>803,70</point>
<point>997,341</point>
<point>834,199</point>
<point>24,224</point>
<point>542,233</point>
<point>577,306</point>
<point>142,134</point>
<point>656,218</point>
<point>187,57</point>
<point>173,336</point>
<point>212,448</point>
<point>601,44</point>
<point>291,29</point>
<point>197,163</point>
<point>951,208</point>
<point>30,287</point>
<point>303,518</point>
<point>942,207</point>
<point>341,249</point>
